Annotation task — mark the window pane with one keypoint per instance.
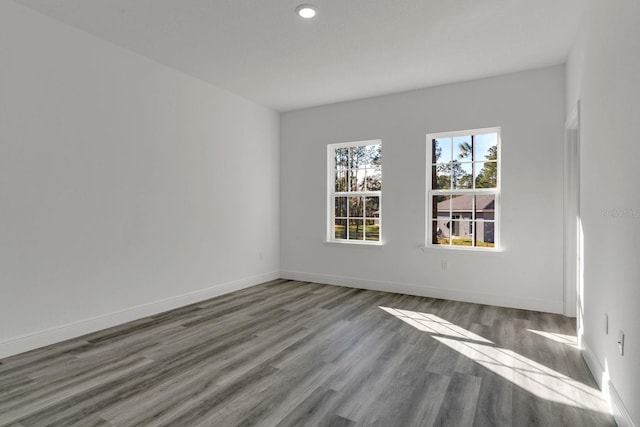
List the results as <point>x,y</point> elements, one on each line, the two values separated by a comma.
<point>355,206</point>
<point>462,175</point>
<point>485,234</point>
<point>485,146</point>
<point>358,157</point>
<point>353,158</point>
<point>356,229</point>
<point>486,174</point>
<point>340,229</point>
<point>441,150</point>
<point>362,156</point>
<point>485,206</point>
<point>465,214</point>
<point>374,179</point>
<point>460,233</point>
<point>373,155</point>
<point>463,229</point>
<point>353,180</point>
<point>341,181</point>
<point>441,176</point>
<point>462,148</point>
<point>372,207</point>
<point>440,233</point>
<point>441,207</point>
<point>341,207</point>
<point>372,230</point>
<point>454,227</point>
<point>441,215</point>
<point>342,157</point>
<point>462,206</point>
<point>360,175</point>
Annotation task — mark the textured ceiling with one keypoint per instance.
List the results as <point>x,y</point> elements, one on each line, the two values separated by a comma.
<point>261,50</point>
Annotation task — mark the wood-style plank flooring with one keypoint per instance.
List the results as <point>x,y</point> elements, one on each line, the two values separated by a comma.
<point>289,353</point>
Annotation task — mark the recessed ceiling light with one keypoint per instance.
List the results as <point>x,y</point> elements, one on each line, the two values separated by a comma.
<point>306,11</point>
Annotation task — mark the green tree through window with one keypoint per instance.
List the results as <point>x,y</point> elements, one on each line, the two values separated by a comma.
<point>355,190</point>
<point>464,188</point>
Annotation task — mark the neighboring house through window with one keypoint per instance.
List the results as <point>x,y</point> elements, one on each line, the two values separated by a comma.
<point>355,192</point>
<point>463,189</point>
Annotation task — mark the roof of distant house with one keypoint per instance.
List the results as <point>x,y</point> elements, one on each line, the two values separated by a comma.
<point>484,202</point>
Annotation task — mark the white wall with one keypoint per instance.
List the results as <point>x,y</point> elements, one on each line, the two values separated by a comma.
<point>603,72</point>
<point>529,106</point>
<point>122,183</point>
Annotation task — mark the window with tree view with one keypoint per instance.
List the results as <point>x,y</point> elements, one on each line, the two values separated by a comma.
<point>464,189</point>
<point>355,190</point>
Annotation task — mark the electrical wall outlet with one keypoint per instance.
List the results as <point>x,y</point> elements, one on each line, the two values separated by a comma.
<point>444,264</point>
<point>606,324</point>
<point>621,343</point>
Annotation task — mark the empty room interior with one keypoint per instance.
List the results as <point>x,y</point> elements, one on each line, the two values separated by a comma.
<point>344,213</point>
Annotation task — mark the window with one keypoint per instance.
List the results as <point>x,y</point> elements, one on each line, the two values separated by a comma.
<point>355,190</point>
<point>463,189</point>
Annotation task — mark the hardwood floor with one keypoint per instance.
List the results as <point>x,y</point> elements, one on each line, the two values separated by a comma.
<point>289,353</point>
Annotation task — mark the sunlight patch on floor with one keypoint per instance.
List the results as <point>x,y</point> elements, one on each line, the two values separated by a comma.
<point>569,340</point>
<point>430,323</point>
<point>526,373</point>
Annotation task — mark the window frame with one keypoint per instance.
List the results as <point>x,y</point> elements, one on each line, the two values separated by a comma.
<point>430,192</point>
<point>332,194</point>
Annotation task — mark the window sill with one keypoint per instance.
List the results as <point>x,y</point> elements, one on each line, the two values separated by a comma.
<point>462,249</point>
<point>353,244</point>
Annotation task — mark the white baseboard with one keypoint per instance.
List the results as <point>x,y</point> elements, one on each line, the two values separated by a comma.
<point>593,364</point>
<point>616,405</point>
<point>86,326</point>
<point>535,304</point>
<point>623,417</point>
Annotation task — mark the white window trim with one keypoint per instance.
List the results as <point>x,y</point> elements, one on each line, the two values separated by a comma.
<point>429,193</point>
<point>331,194</point>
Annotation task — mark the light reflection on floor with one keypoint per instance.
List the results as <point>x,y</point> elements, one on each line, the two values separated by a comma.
<point>528,374</point>
<point>569,340</point>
